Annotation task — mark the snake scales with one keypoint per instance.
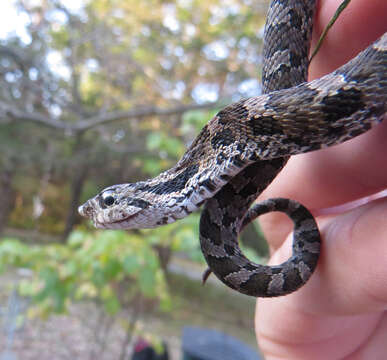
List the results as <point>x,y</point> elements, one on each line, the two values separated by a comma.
<point>240,151</point>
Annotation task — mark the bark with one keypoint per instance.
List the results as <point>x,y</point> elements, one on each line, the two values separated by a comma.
<point>100,119</point>
<point>7,195</point>
<point>78,180</point>
<point>164,254</point>
<point>77,183</point>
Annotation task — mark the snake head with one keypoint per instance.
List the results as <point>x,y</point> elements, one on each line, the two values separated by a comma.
<point>116,207</point>
<point>129,206</point>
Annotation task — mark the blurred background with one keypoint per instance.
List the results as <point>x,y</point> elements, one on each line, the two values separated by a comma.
<point>99,92</point>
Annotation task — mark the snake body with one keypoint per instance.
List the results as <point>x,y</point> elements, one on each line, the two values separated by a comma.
<point>241,150</point>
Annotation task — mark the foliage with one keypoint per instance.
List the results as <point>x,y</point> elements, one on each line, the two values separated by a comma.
<point>111,268</point>
<point>180,237</point>
<point>105,58</point>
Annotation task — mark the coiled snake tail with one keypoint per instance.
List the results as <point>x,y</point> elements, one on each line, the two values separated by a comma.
<point>268,281</point>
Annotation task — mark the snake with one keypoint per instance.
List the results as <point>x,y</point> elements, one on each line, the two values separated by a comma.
<point>239,152</point>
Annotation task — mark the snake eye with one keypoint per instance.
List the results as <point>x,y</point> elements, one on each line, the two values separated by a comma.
<point>108,198</point>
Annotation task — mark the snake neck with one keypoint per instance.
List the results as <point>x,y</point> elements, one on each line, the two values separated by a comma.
<point>185,187</point>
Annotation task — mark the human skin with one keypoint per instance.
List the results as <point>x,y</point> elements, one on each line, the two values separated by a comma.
<point>341,312</point>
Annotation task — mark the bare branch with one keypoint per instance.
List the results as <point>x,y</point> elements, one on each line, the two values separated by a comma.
<point>138,113</point>
<point>16,55</point>
<point>14,113</point>
<point>99,119</point>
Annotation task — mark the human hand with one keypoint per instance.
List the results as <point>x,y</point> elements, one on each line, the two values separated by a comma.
<point>341,312</point>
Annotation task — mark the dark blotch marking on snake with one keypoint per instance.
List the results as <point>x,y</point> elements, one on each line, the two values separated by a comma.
<point>208,184</point>
<point>174,185</point>
<point>224,266</point>
<point>232,113</point>
<point>222,138</point>
<point>344,103</point>
<point>295,19</point>
<point>257,282</point>
<point>140,203</point>
<point>215,232</point>
<point>265,125</point>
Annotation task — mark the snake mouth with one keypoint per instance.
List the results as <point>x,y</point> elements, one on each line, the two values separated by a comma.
<point>124,223</point>
<point>125,219</point>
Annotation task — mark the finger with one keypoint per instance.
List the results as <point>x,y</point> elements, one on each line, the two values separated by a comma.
<point>328,178</point>
<point>375,347</point>
<point>350,280</point>
<point>351,277</point>
<point>336,175</point>
<point>350,34</point>
<point>319,339</point>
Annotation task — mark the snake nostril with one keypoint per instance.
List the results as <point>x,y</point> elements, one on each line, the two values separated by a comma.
<point>85,209</point>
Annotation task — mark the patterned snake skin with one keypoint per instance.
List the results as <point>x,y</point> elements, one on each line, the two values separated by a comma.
<point>240,151</point>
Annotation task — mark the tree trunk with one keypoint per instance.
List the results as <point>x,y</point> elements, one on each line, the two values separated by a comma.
<point>164,254</point>
<point>75,193</point>
<point>7,195</point>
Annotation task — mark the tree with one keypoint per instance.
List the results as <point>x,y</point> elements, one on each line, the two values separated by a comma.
<point>91,81</point>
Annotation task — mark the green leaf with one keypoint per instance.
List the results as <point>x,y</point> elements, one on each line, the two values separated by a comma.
<point>112,305</point>
<point>147,281</point>
<point>131,264</point>
<point>112,268</point>
<point>154,141</point>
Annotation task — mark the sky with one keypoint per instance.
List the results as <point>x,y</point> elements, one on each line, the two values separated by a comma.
<point>12,21</point>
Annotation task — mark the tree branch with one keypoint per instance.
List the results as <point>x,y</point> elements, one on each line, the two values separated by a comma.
<point>99,119</point>
<point>15,114</point>
<point>15,55</point>
<point>104,118</point>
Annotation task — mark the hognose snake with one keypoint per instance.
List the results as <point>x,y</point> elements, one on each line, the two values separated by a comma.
<point>240,151</point>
